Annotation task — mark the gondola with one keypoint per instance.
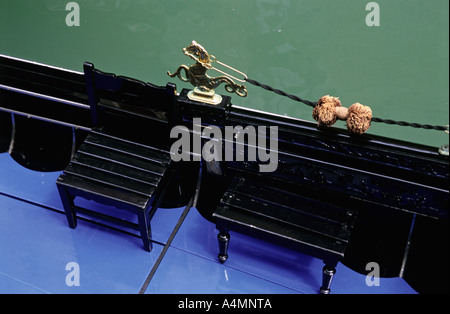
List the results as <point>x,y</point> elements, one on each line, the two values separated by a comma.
<point>344,198</point>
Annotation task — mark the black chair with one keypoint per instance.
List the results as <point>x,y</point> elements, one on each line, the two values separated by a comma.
<point>125,159</point>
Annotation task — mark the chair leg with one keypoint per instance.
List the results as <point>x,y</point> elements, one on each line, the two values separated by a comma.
<point>224,240</point>
<point>145,230</point>
<point>67,201</point>
<point>327,276</point>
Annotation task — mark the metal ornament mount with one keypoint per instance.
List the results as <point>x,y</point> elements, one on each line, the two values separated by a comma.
<point>204,84</point>
<point>443,150</point>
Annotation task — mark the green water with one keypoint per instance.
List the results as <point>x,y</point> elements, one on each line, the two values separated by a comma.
<point>306,47</point>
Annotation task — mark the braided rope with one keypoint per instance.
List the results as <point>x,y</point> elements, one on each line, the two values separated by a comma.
<point>282,93</point>
<point>380,120</point>
<point>411,124</point>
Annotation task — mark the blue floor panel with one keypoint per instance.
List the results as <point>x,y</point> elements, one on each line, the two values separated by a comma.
<point>36,244</point>
<point>276,265</point>
<point>33,186</point>
<point>194,274</point>
<point>15,286</point>
<point>249,255</point>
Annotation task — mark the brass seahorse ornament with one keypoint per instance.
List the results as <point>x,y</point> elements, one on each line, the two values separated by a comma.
<point>204,84</point>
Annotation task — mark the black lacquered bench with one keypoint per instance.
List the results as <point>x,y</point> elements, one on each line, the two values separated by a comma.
<point>276,211</point>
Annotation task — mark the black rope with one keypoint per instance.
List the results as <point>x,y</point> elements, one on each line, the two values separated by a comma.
<point>414,125</point>
<point>280,92</point>
<point>380,120</point>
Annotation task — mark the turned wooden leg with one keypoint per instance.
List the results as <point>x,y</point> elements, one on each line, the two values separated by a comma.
<point>327,276</point>
<point>224,239</point>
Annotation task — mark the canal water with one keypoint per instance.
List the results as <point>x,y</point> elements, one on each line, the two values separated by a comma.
<point>392,55</point>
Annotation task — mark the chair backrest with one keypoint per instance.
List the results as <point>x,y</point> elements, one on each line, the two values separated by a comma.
<point>129,108</point>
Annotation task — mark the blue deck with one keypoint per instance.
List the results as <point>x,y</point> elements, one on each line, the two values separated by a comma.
<point>36,244</point>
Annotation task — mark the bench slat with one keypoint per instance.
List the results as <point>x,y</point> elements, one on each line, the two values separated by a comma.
<point>281,231</point>
<point>129,148</point>
<point>93,188</point>
<point>120,158</point>
<point>110,180</point>
<point>282,215</point>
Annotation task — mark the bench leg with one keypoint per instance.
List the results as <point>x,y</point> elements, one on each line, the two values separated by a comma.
<point>67,201</point>
<point>327,276</point>
<point>145,230</point>
<point>224,240</point>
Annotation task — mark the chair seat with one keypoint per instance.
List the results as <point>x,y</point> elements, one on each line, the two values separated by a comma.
<point>109,195</point>
<point>116,169</point>
<point>116,172</point>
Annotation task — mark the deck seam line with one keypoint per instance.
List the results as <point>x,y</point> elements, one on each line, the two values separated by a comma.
<point>166,247</point>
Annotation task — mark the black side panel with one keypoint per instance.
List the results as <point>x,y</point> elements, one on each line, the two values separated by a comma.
<point>380,235</point>
<point>5,131</point>
<point>427,266</point>
<point>41,146</point>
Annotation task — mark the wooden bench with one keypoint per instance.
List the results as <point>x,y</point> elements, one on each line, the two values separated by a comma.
<point>276,211</point>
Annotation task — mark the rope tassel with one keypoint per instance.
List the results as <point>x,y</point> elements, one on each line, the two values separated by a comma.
<point>358,117</point>
<point>329,109</point>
